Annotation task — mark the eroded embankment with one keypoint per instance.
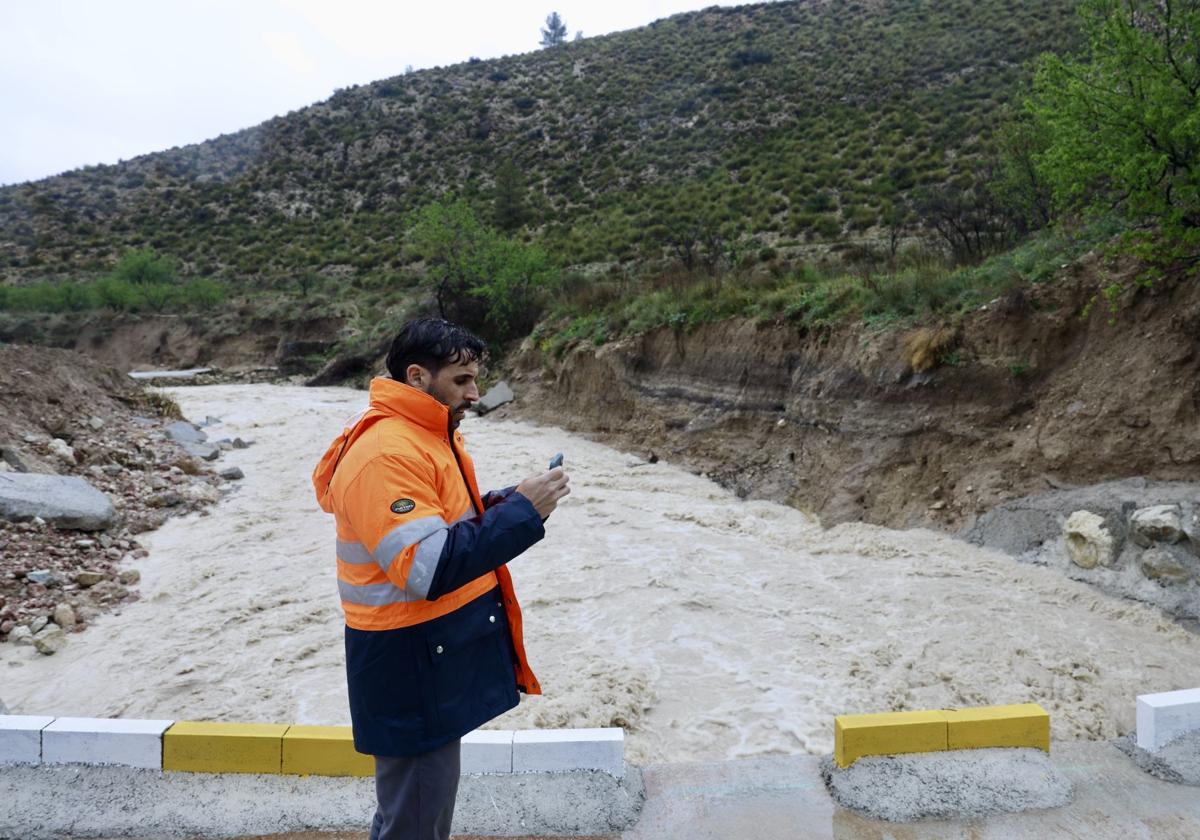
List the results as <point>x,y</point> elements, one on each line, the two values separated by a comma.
<point>1032,392</point>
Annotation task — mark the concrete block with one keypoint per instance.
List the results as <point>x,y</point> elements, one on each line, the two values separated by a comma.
<point>548,750</point>
<point>324,751</point>
<point>889,733</point>
<point>1163,717</point>
<point>1023,725</point>
<point>21,738</point>
<point>195,747</point>
<point>487,751</point>
<point>128,743</point>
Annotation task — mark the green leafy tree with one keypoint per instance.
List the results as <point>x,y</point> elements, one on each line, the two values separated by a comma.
<point>143,265</point>
<point>508,198</point>
<point>1123,126</point>
<point>555,32</point>
<point>453,244</point>
<point>1020,187</point>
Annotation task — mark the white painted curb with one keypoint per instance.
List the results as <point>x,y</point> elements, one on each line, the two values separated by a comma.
<point>487,751</point>
<point>128,743</point>
<point>555,750</point>
<point>21,738</point>
<point>1163,717</point>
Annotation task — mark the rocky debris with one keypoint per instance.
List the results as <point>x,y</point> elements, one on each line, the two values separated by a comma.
<point>67,501</point>
<point>497,395</point>
<point>238,443</point>
<point>232,474</point>
<point>49,573</point>
<point>956,784</point>
<point>1177,761</point>
<point>51,640</point>
<point>1132,538</point>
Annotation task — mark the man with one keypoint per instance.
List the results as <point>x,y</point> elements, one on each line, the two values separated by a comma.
<point>433,629</point>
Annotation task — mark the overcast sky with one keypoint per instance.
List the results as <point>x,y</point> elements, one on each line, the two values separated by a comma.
<point>96,81</point>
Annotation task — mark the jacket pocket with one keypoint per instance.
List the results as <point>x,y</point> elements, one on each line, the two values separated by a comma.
<point>472,668</point>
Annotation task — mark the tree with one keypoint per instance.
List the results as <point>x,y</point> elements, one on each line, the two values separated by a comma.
<point>555,32</point>
<point>1020,187</point>
<point>1123,125</point>
<point>508,197</point>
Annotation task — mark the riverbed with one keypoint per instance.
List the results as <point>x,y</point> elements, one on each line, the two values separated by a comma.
<point>708,626</point>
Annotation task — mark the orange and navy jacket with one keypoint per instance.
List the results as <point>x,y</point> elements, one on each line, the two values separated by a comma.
<point>434,642</point>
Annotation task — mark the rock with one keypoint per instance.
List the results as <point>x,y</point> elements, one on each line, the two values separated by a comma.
<point>109,591</point>
<point>42,576</point>
<point>182,431</point>
<point>38,624</point>
<point>497,395</point>
<point>203,451</point>
<point>96,423</point>
<point>129,577</point>
<point>1158,523</point>
<point>232,473</point>
<point>1166,565</point>
<point>6,627</point>
<point>61,450</point>
<point>112,470</point>
<point>88,578</point>
<point>64,616</point>
<point>165,498</point>
<point>14,459</point>
<point>238,443</point>
<point>50,641</point>
<point>66,500</point>
<point>85,543</point>
<point>209,420</point>
<point>199,491</point>
<point>21,635</point>
<point>1088,542</point>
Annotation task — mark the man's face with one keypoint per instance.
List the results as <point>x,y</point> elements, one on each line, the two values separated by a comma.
<point>453,386</point>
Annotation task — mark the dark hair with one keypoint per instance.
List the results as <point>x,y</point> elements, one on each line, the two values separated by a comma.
<point>432,343</point>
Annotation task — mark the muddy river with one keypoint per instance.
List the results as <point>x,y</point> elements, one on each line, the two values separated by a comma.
<point>708,626</point>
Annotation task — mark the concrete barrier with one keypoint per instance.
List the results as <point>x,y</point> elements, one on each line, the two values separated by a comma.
<point>128,743</point>
<point>1163,717</point>
<point>896,733</point>
<point>21,738</point>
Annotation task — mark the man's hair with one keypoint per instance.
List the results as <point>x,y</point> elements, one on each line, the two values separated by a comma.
<point>432,343</point>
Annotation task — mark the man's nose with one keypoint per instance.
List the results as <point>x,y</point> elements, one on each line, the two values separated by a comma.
<point>472,394</point>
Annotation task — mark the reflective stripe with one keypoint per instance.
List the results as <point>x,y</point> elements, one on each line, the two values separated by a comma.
<point>354,552</point>
<point>425,563</point>
<point>372,595</point>
<point>402,536</point>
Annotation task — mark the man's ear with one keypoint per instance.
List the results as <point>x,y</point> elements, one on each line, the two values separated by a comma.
<point>416,375</point>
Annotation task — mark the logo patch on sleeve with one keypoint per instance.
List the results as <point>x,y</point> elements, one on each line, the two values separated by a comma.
<point>403,505</point>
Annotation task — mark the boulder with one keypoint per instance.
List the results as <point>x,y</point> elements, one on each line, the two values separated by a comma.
<point>50,641</point>
<point>21,635</point>
<point>232,474</point>
<point>128,577</point>
<point>43,576</point>
<point>1158,523</point>
<point>203,451</point>
<point>497,395</point>
<point>88,578</point>
<point>64,616</point>
<point>68,501</point>
<point>1088,541</point>
<point>238,443</point>
<point>182,431</point>
<point>1167,564</point>
<point>62,451</point>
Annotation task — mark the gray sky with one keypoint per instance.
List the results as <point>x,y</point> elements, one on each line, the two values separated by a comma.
<point>95,81</point>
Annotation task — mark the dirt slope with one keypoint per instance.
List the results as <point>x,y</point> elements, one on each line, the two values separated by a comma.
<point>1033,391</point>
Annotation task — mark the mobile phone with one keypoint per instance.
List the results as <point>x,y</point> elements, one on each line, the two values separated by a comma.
<point>556,461</point>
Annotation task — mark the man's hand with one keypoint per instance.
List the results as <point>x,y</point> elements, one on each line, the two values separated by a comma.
<point>545,490</point>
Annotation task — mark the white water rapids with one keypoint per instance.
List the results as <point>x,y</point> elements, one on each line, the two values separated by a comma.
<point>708,626</point>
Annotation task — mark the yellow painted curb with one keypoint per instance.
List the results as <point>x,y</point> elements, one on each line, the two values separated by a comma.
<point>893,733</point>
<point>888,733</point>
<point>1023,725</point>
<point>195,747</point>
<point>324,751</point>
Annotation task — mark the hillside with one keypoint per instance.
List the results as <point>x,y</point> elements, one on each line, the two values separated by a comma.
<point>790,123</point>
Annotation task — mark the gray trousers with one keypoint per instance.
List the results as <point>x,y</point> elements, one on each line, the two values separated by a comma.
<point>416,795</point>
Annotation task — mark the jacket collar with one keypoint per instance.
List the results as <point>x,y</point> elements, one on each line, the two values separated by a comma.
<point>399,399</point>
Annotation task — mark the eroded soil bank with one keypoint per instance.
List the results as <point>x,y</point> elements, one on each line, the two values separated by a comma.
<point>1032,392</point>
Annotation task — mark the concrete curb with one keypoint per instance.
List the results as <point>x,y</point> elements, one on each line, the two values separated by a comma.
<point>1163,717</point>
<point>286,749</point>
